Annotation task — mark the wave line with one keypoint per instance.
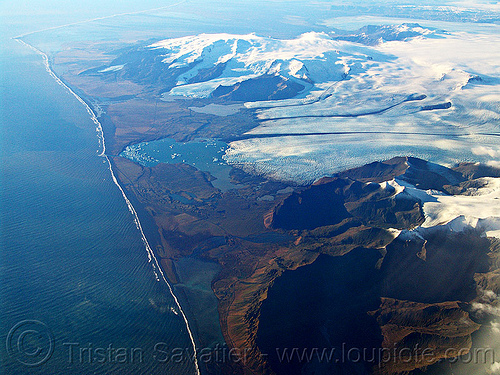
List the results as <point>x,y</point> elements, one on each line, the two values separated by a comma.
<point>151,255</point>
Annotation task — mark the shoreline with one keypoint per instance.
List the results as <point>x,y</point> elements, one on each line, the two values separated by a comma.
<point>152,259</point>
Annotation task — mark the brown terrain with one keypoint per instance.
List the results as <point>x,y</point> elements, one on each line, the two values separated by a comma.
<point>349,211</point>
<point>437,331</point>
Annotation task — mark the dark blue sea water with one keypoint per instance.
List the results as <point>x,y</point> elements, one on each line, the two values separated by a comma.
<point>71,258</point>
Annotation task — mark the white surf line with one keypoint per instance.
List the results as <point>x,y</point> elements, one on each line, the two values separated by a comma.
<point>99,130</point>
<point>99,18</point>
<point>151,256</point>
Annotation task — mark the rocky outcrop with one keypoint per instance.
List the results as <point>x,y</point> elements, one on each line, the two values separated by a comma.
<point>266,87</point>
<point>473,171</point>
<point>417,335</point>
<point>332,200</point>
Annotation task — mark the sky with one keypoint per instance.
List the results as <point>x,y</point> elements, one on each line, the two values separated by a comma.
<point>21,16</point>
<point>31,15</point>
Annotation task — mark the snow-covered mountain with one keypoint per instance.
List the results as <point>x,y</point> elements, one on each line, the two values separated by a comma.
<point>255,68</point>
<point>372,35</point>
<point>195,66</point>
<point>309,57</point>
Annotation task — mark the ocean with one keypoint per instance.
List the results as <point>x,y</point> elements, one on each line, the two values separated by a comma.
<point>78,292</point>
